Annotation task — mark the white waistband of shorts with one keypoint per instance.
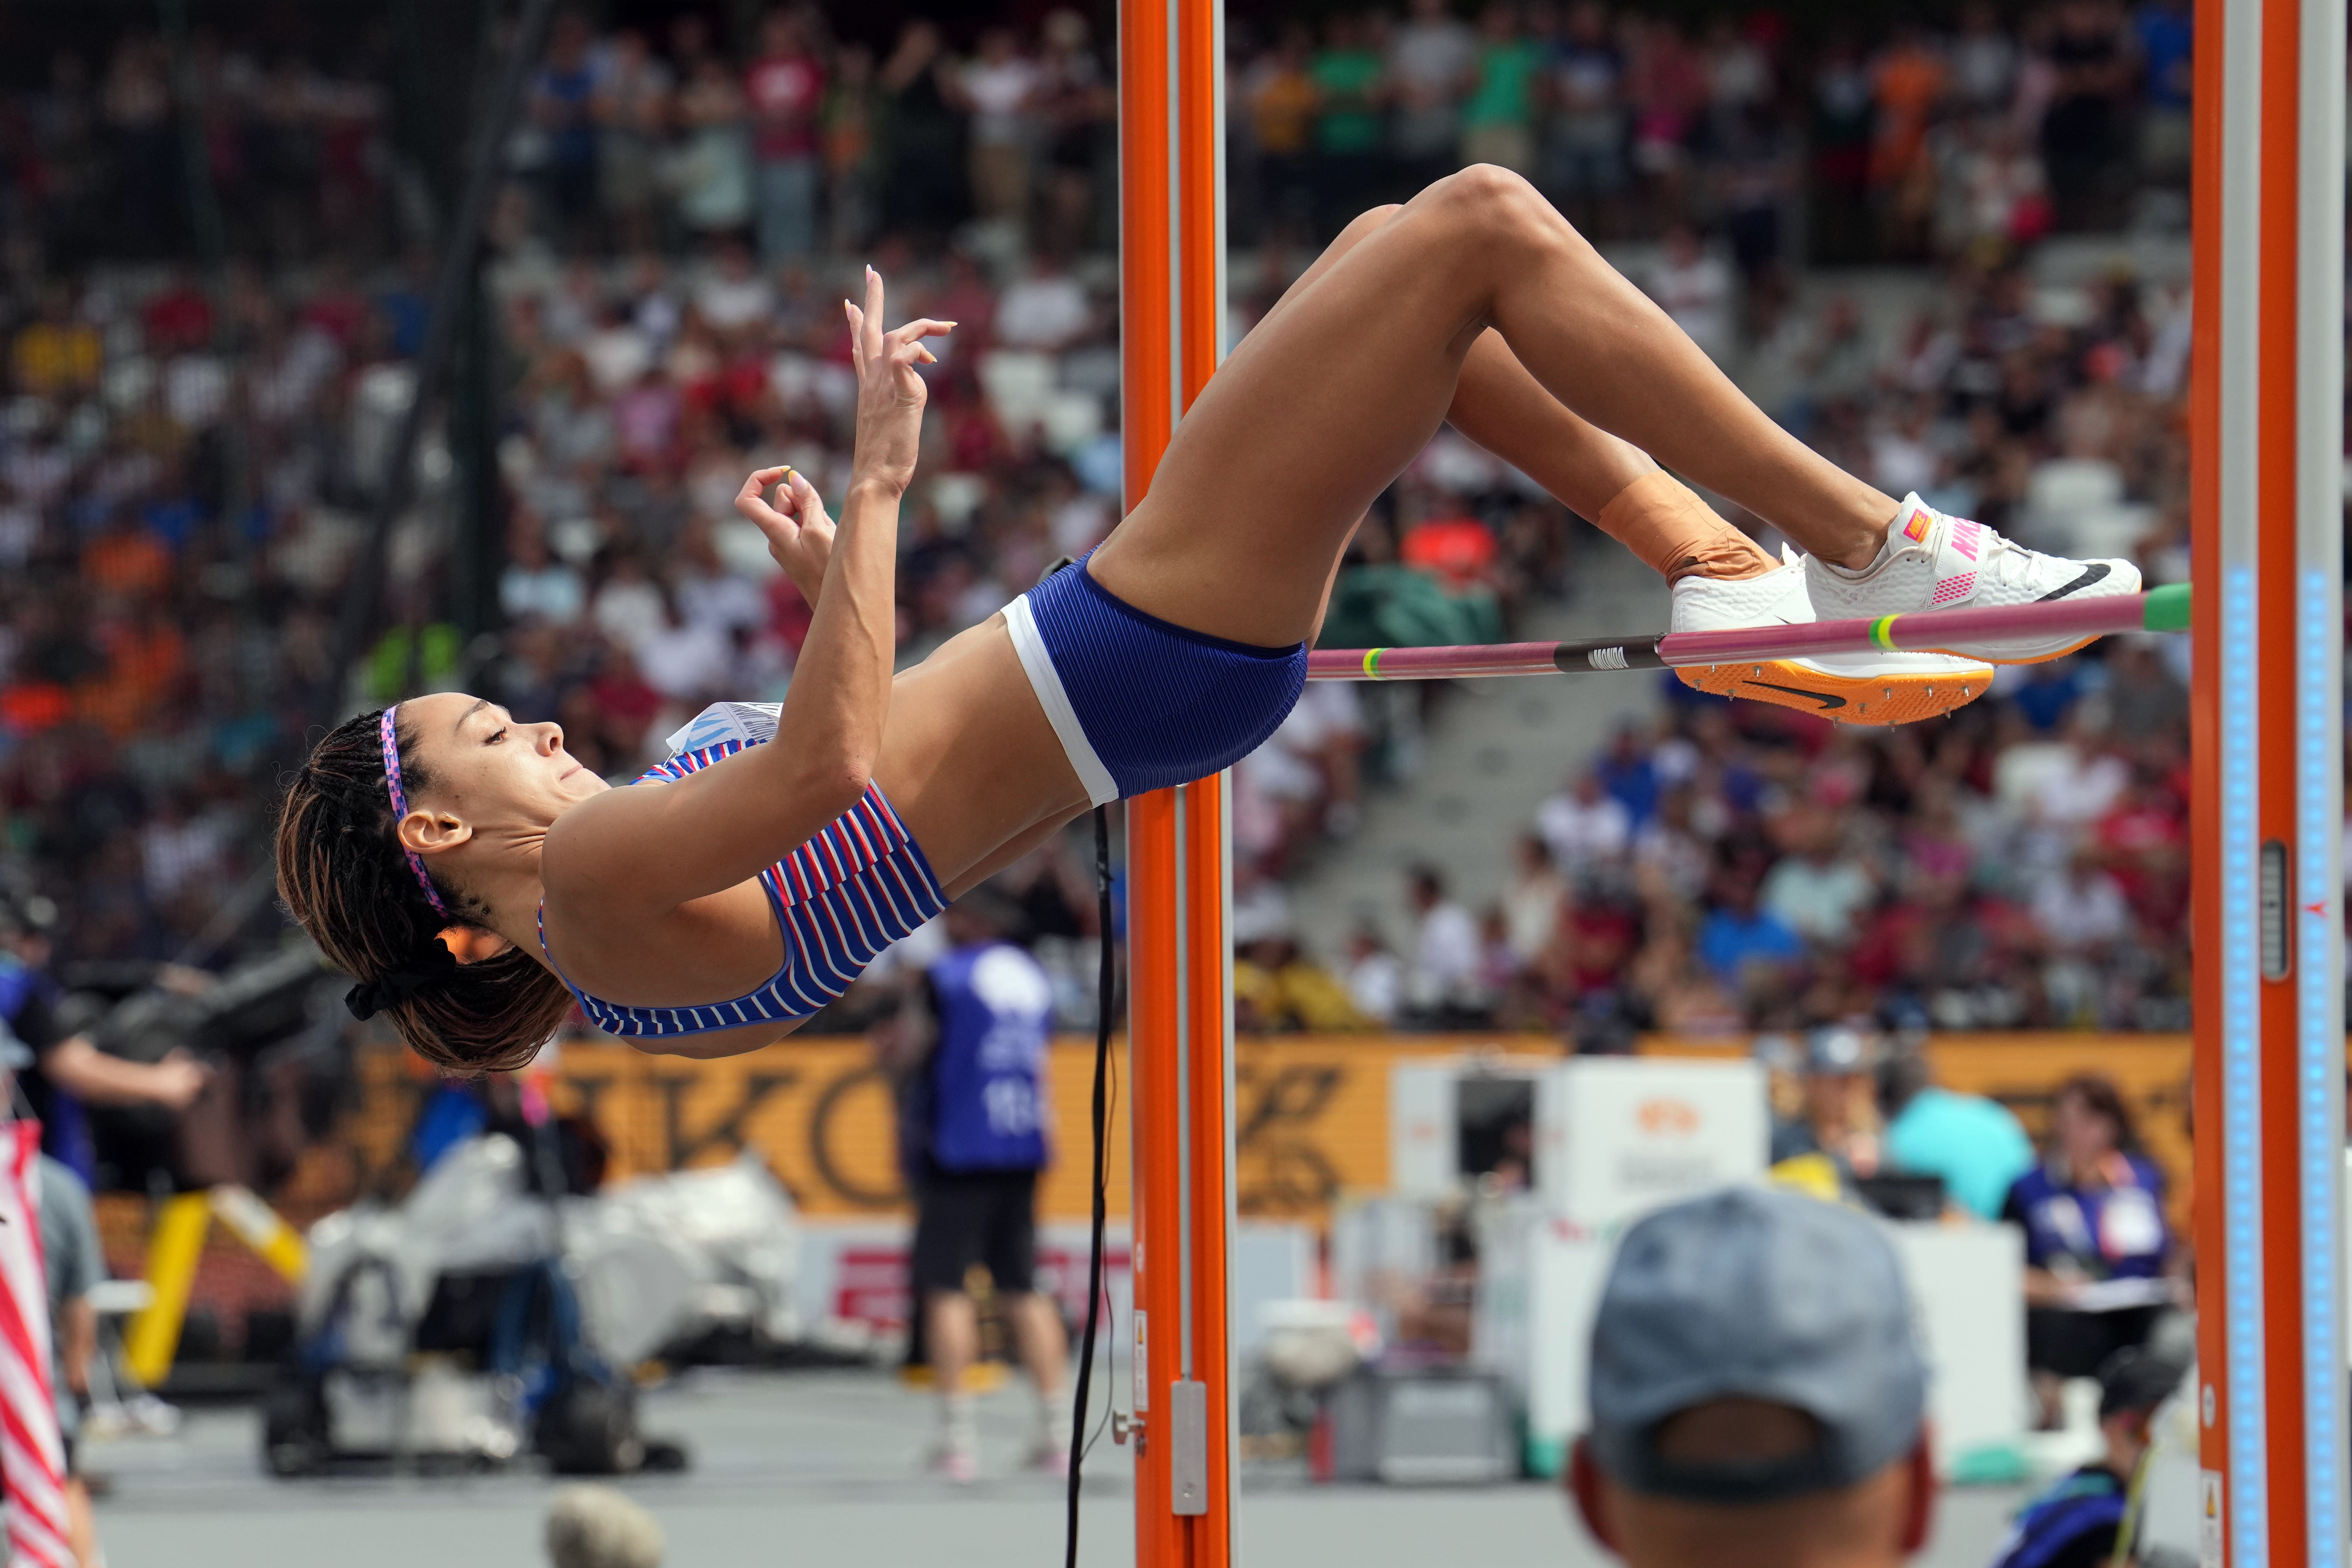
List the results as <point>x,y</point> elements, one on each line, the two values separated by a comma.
<point>1046,682</point>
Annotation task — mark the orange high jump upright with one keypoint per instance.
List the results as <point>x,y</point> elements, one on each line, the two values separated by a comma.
<point>2267,825</point>
<point>1172,320</point>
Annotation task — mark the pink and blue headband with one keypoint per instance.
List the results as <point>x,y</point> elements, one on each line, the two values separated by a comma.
<point>391,737</point>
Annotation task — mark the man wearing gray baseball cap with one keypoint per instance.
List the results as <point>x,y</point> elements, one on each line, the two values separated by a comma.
<point>1758,1393</point>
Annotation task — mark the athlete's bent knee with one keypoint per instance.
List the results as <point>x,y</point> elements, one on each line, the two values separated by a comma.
<point>1496,205</point>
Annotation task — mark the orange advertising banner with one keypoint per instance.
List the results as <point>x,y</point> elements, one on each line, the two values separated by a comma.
<point>1311,1117</point>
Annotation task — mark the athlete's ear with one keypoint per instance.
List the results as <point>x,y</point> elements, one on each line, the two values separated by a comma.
<point>431,832</point>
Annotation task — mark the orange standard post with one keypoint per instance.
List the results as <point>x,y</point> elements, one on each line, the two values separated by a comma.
<point>1208,945</point>
<point>2287,1510</point>
<point>2264,424</point>
<point>1171,277</point>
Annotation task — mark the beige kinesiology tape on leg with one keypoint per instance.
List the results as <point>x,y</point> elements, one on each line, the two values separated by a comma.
<point>1676,535</point>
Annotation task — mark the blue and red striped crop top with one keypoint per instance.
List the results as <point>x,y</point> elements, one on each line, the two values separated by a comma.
<point>840,899</point>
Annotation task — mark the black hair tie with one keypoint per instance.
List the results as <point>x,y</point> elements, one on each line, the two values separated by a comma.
<point>370,997</point>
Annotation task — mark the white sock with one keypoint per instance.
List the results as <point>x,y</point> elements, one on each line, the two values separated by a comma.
<point>959,1423</point>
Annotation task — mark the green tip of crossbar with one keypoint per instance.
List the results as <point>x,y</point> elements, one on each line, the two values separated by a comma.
<point>2166,609</point>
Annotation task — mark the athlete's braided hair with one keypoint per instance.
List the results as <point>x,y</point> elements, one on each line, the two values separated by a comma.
<point>342,875</point>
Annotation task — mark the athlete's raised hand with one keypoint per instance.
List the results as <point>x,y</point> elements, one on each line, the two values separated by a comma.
<point>890,391</point>
<point>800,534</point>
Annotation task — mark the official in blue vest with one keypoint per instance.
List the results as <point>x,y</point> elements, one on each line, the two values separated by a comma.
<point>968,1052</point>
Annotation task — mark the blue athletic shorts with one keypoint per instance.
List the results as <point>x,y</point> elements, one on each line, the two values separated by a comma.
<point>1139,704</point>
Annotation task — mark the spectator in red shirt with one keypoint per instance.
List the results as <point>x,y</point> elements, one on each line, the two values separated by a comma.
<point>785,88</point>
<point>1460,549</point>
<point>178,319</point>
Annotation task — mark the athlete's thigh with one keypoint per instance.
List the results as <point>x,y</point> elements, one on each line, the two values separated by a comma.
<point>1308,421</point>
<point>969,759</point>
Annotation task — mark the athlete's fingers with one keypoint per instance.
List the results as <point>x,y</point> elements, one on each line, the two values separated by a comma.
<point>921,327</point>
<point>857,335</point>
<point>807,505</point>
<point>873,314</point>
<point>751,500</point>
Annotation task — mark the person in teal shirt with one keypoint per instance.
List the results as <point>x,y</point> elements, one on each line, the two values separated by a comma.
<point>1974,1143</point>
<point>1498,118</point>
<point>1351,82</point>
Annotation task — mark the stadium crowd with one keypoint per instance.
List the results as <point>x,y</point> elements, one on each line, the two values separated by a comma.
<point>192,438</point>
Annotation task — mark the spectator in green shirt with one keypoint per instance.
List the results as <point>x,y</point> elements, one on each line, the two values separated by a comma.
<point>1350,84</point>
<point>1499,120</point>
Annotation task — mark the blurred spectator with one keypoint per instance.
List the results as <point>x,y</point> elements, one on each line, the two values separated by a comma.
<point>1000,83</point>
<point>2164,32</point>
<point>926,190</point>
<point>1973,1143</point>
<point>1047,309</point>
<point>1837,1121</point>
<point>1982,59</point>
<point>1907,81</point>
<point>784,89</point>
<point>854,115</point>
<point>1444,983</point>
<point>563,114</point>
<point>2080,906</point>
<point>1277,987</point>
<point>1585,827</point>
<point>1282,99</point>
<point>631,107</point>
<point>2090,1513</point>
<point>2079,132</point>
<point>1375,979</point>
<point>1585,168</point>
<point>1433,58</point>
<point>712,168</point>
<point>1498,117</point>
<point>1532,907</point>
<point>2096,1245</point>
<point>1350,80</point>
<point>1819,890</point>
<point>1758,1393</point>
<point>1075,109</point>
<point>1738,938</point>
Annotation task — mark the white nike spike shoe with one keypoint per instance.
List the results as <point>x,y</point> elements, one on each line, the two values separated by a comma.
<point>1933,562</point>
<point>1850,688</point>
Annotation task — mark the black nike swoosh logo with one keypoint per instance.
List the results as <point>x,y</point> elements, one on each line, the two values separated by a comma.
<point>1828,704</point>
<point>2094,572</point>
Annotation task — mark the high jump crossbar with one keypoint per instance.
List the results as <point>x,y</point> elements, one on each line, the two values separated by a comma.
<point>2162,609</point>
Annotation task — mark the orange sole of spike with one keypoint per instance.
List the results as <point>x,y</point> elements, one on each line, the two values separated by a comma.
<point>1846,700</point>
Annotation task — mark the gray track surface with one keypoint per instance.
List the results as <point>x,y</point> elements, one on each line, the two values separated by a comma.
<point>820,1468</point>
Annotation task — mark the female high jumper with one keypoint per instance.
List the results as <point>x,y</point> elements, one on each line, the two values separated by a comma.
<point>730,893</point>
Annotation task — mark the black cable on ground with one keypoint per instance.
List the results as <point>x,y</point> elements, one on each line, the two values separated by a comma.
<point>1105,990</point>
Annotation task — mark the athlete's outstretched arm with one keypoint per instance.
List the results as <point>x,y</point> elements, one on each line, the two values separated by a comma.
<point>725,824</point>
